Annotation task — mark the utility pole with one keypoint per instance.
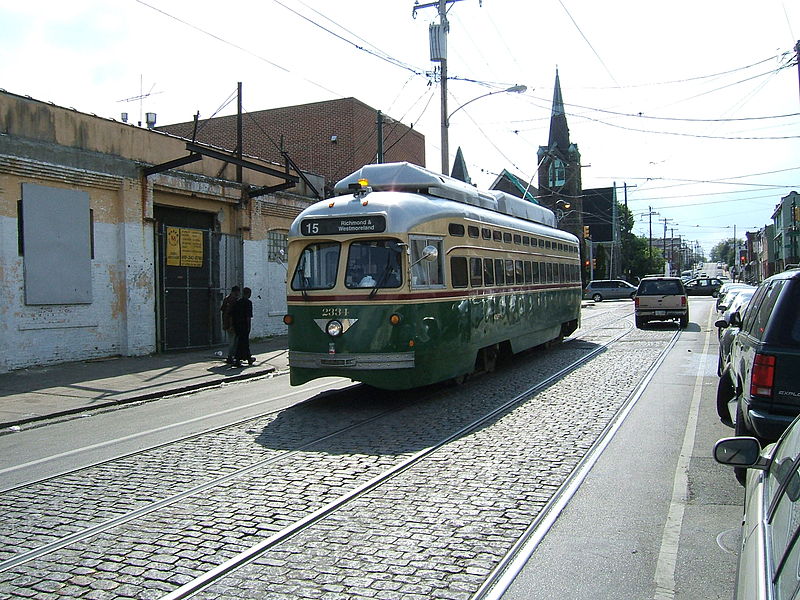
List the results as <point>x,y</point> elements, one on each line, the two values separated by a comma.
<point>239,143</point>
<point>380,138</point>
<point>664,242</point>
<point>650,214</point>
<point>438,46</point>
<point>797,56</point>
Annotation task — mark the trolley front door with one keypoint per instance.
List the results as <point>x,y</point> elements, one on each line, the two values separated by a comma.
<point>196,267</point>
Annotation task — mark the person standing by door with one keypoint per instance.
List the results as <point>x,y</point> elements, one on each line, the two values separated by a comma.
<point>227,322</point>
<point>242,315</point>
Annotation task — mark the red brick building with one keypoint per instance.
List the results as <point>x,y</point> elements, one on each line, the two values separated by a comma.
<point>331,138</point>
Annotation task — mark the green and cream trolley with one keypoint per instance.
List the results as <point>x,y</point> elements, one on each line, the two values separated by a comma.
<point>409,278</point>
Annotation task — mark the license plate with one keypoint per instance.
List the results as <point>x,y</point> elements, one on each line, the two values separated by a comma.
<point>661,313</point>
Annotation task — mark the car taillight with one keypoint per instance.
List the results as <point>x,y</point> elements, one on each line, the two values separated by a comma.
<point>683,300</point>
<point>763,375</point>
<point>636,301</point>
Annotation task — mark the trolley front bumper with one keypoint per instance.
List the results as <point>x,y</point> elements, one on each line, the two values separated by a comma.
<point>319,360</point>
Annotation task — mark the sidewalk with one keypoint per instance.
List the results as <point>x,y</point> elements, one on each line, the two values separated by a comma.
<point>38,393</point>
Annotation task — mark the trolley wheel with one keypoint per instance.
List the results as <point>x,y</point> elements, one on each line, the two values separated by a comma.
<point>488,359</point>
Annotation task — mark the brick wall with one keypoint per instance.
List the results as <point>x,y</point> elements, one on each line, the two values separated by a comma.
<point>307,131</point>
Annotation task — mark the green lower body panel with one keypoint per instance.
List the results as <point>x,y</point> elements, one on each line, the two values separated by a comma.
<point>429,341</point>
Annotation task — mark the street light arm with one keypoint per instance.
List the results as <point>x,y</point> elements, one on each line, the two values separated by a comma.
<point>514,89</point>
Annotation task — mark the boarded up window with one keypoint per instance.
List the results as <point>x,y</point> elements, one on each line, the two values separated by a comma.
<point>57,240</point>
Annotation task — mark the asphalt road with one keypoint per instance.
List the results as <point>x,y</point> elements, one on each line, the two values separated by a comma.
<point>656,517</point>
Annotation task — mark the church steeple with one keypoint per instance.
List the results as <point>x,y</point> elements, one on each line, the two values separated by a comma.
<point>559,132</point>
<point>559,167</point>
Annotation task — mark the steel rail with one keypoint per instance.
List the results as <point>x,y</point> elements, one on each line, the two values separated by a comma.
<point>159,504</point>
<point>151,431</point>
<point>245,557</point>
<point>501,577</point>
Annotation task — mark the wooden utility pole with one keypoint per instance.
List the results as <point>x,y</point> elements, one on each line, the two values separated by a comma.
<point>438,47</point>
<point>239,143</point>
<point>650,213</point>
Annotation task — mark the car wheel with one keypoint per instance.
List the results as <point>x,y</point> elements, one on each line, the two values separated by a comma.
<point>684,322</point>
<point>640,322</point>
<point>741,429</point>
<point>597,298</point>
<point>725,393</point>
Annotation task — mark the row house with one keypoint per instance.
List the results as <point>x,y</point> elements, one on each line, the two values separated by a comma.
<point>121,240</point>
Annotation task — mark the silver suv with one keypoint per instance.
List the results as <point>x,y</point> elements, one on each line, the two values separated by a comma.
<point>661,299</point>
<point>608,289</point>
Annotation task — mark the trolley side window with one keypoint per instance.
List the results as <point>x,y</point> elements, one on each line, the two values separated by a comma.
<point>458,271</point>
<point>316,269</point>
<point>488,271</point>
<point>374,264</point>
<point>499,271</point>
<point>426,272</point>
<point>475,272</point>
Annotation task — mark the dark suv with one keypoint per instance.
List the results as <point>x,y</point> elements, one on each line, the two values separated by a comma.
<point>761,384</point>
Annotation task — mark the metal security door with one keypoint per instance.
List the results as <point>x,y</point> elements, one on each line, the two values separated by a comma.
<point>196,267</point>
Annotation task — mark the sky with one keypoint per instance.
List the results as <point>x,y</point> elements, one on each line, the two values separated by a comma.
<point>692,108</point>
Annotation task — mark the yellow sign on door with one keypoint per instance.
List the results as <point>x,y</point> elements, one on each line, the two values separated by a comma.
<point>184,247</point>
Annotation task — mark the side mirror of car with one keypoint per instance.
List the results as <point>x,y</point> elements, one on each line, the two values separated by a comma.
<point>722,324</point>
<point>740,451</point>
<point>736,319</point>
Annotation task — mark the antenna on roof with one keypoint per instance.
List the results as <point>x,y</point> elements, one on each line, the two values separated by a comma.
<point>142,95</point>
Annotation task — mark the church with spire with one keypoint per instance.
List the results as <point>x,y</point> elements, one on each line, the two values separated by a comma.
<point>559,170</point>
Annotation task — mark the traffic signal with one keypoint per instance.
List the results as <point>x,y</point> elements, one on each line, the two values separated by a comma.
<point>586,263</point>
<point>585,231</point>
<point>742,256</point>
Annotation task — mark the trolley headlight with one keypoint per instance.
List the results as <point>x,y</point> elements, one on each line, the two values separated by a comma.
<point>334,328</point>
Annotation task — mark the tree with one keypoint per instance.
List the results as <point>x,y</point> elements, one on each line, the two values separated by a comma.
<point>724,251</point>
<point>637,260</point>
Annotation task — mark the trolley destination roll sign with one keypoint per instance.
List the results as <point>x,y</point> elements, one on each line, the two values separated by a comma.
<point>340,225</point>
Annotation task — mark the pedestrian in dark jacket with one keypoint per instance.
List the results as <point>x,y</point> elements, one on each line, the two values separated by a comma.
<point>242,315</point>
<point>227,321</point>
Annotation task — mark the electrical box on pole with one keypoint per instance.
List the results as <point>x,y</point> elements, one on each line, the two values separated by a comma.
<point>437,33</point>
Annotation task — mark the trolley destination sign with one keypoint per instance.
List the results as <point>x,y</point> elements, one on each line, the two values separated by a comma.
<point>340,225</point>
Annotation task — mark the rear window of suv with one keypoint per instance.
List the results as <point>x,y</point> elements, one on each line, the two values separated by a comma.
<point>783,328</point>
<point>660,287</point>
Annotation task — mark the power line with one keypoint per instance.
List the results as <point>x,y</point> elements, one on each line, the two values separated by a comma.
<point>377,53</point>
<point>237,47</point>
<point>602,62</point>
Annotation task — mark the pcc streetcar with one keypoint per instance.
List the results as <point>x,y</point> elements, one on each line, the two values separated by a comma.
<point>409,277</point>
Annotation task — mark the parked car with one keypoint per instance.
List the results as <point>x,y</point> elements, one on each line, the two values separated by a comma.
<point>725,331</point>
<point>769,554</point>
<point>661,299</point>
<point>703,286</point>
<point>732,297</point>
<point>760,387</point>
<point>608,289</point>
<point>726,287</point>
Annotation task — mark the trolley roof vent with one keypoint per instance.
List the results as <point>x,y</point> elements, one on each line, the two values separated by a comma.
<point>405,177</point>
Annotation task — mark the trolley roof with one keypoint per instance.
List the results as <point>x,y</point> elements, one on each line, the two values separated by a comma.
<point>405,177</point>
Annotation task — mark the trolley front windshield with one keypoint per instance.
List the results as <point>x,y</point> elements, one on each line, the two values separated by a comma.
<point>374,264</point>
<point>316,269</point>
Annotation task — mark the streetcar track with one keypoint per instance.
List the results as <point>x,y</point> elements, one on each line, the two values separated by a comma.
<point>308,520</point>
<point>140,512</point>
<point>251,554</point>
<point>513,562</point>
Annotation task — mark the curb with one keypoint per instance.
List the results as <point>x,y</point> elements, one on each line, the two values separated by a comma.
<point>139,398</point>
